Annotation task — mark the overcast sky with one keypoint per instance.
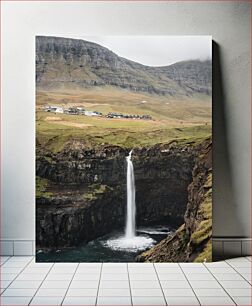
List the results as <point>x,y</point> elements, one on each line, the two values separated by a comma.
<point>156,50</point>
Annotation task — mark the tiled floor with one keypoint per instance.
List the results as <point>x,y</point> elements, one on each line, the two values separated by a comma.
<point>24,282</point>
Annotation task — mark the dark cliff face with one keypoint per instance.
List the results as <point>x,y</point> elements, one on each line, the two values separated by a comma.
<point>72,218</point>
<point>192,241</point>
<point>85,190</point>
<point>193,76</point>
<point>73,63</point>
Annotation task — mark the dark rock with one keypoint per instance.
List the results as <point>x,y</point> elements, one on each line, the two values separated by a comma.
<point>192,240</point>
<point>87,190</point>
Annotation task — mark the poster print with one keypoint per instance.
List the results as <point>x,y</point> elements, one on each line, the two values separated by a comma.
<point>123,149</point>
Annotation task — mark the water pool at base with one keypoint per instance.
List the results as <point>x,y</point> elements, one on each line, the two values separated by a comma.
<point>113,247</point>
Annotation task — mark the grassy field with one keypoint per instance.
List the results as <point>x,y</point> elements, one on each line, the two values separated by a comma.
<point>172,118</point>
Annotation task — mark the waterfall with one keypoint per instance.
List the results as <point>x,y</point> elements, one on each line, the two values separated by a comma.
<point>130,231</point>
<point>130,242</point>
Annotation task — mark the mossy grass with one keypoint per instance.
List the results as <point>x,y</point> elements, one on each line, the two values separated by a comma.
<point>206,254</point>
<point>126,134</point>
<point>185,120</point>
<point>95,190</point>
<point>41,188</point>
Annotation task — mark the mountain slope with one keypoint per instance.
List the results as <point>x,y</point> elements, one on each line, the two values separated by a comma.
<point>72,63</point>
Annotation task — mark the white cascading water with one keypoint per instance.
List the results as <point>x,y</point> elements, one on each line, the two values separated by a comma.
<point>130,242</point>
<point>130,231</point>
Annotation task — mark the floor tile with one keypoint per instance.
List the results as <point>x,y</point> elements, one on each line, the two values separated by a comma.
<point>166,264</point>
<point>82,292</point>
<point>175,300</point>
<point>146,292</point>
<point>239,291</point>
<point>235,284</point>
<point>80,300</point>
<point>141,271</point>
<point>168,270</point>
<point>152,301</point>
<point>14,264</point>
<point>89,270</point>
<point>220,300</point>
<point>114,269</point>
<point>172,276</point>
<point>178,292</point>
<point>58,277</point>
<point>40,265</point>
<point>66,265</point>
<point>243,300</point>
<point>14,300</point>
<point>47,300</point>
<point>143,265</point>
<point>237,259</point>
<point>114,284</point>
<point>210,292</point>
<point>25,284</point>
<point>84,284</point>
<point>36,270</point>
<point>92,264</point>
<point>29,276</point>
<point>55,284</point>
<point>220,270</point>
<point>51,292</point>
<point>103,300</point>
<point>114,292</point>
<point>241,264</point>
<point>114,264</point>
<point>112,277</point>
<point>145,284</point>
<point>191,264</point>
<point>84,276</point>
<point>243,270</point>
<point>10,276</point>
<point>5,283</point>
<point>204,284</point>
<point>63,271</point>
<point>200,276</point>
<point>21,259</point>
<point>144,277</point>
<point>174,284</point>
<point>9,270</point>
<point>220,264</point>
<point>4,259</point>
<point>19,292</point>
<point>247,277</point>
<point>233,276</point>
<point>195,270</point>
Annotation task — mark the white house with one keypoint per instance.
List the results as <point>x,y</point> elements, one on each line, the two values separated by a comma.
<point>53,109</point>
<point>56,109</point>
<point>90,113</point>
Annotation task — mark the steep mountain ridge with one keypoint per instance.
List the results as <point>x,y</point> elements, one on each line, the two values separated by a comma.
<point>73,63</point>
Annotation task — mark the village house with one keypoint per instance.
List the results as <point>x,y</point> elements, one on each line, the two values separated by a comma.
<point>92,113</point>
<point>54,109</point>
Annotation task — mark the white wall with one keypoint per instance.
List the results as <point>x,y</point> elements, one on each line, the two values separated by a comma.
<point>227,22</point>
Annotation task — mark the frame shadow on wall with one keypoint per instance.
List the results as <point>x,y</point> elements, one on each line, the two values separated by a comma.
<point>224,199</point>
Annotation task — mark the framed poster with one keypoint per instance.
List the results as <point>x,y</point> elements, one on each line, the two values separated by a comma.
<point>123,149</point>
